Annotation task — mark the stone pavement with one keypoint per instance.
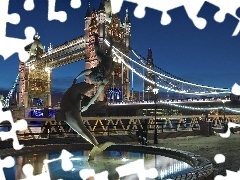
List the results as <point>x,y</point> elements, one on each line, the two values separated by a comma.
<point>208,147</point>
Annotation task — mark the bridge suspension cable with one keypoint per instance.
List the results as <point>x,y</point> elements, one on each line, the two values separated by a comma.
<point>171,104</point>
<point>7,99</point>
<point>203,108</point>
<point>144,62</point>
<point>171,83</point>
<point>227,109</point>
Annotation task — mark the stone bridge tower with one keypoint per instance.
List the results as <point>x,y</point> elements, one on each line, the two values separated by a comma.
<point>106,24</point>
<point>34,78</point>
<point>148,87</point>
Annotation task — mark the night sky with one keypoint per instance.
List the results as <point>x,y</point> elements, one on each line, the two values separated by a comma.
<point>207,57</point>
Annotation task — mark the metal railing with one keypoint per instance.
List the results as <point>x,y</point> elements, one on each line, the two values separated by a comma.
<point>48,128</point>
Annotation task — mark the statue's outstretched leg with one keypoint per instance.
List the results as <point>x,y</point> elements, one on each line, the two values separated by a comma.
<point>98,149</point>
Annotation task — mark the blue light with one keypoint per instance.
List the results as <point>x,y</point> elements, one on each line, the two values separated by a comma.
<point>115,93</point>
<point>38,113</point>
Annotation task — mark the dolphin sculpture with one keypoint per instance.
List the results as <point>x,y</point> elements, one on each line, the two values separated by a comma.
<point>102,72</point>
<point>70,112</point>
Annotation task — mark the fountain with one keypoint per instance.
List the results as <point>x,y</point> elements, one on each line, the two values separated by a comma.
<point>122,160</point>
<point>96,160</point>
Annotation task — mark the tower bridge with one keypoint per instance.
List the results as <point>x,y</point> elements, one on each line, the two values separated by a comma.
<point>35,75</point>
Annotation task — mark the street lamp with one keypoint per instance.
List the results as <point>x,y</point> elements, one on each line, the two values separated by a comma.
<point>155,91</point>
<point>223,101</point>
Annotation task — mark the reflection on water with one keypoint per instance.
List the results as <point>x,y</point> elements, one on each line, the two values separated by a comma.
<point>109,164</point>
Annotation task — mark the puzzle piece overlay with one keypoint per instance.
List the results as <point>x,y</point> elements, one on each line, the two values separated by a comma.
<point>220,158</point>
<point>192,8</point>
<point>20,125</point>
<point>230,125</point>
<point>7,162</point>
<point>236,89</point>
<point>67,165</point>
<point>6,43</point>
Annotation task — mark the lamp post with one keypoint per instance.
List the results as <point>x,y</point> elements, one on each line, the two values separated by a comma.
<point>155,91</point>
<point>224,118</point>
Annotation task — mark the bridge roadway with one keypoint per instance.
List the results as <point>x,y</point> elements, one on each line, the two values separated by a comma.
<point>176,117</point>
<point>125,124</point>
<point>172,101</point>
<point>111,110</point>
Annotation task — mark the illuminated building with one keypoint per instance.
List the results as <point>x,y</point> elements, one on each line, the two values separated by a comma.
<point>107,24</point>
<point>148,87</point>
<point>35,75</point>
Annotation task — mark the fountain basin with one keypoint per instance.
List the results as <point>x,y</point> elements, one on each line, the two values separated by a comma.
<point>169,163</point>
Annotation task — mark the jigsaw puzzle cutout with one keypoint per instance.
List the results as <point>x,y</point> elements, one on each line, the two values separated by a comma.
<point>236,89</point>
<point>229,175</point>
<point>7,162</point>
<point>28,172</point>
<point>6,43</point>
<point>230,125</point>
<point>85,174</point>
<point>131,168</point>
<point>29,5</point>
<point>220,158</point>
<point>192,9</point>
<point>65,156</point>
<point>67,165</point>
<point>20,125</point>
<point>6,49</point>
<point>52,14</point>
<point>61,15</point>
<point>137,167</point>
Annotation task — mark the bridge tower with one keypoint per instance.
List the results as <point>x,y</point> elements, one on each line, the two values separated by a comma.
<point>148,87</point>
<point>106,24</point>
<point>35,78</point>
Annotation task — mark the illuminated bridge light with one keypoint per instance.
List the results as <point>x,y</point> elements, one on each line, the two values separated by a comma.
<point>38,113</point>
<point>168,76</point>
